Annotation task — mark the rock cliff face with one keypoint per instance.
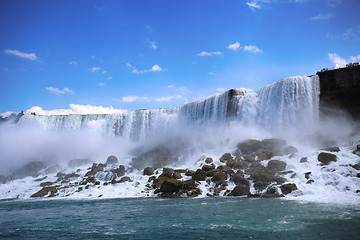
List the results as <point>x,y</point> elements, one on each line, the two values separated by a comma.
<point>340,90</point>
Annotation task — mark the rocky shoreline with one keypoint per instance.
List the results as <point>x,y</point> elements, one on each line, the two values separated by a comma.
<point>254,169</point>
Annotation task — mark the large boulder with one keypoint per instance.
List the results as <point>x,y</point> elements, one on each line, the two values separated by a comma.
<point>45,191</point>
<point>148,171</point>
<point>171,185</point>
<point>288,188</point>
<point>112,160</point>
<point>249,146</point>
<point>326,158</point>
<point>239,179</point>
<point>276,165</point>
<point>95,168</point>
<point>225,157</point>
<point>273,144</point>
<point>240,190</point>
<point>199,175</point>
<point>219,176</point>
<point>208,167</point>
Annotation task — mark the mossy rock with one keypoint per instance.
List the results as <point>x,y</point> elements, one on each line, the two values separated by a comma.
<point>219,176</point>
<point>276,165</point>
<point>189,173</point>
<point>207,168</point>
<point>199,175</point>
<point>249,146</point>
<point>241,165</point>
<point>230,163</point>
<point>148,171</point>
<point>112,160</point>
<point>240,190</point>
<point>171,185</point>
<point>262,176</point>
<point>208,160</point>
<point>225,157</point>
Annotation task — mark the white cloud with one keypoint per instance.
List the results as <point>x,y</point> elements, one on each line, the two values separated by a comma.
<point>355,59</point>
<point>94,69</point>
<point>171,86</point>
<point>109,78</point>
<point>323,16</point>
<point>101,84</point>
<point>168,98</point>
<point>134,98</point>
<point>234,46</point>
<point>337,60</point>
<point>153,46</point>
<point>30,56</point>
<point>205,53</point>
<point>7,114</point>
<point>57,91</point>
<point>73,63</point>
<point>75,109</point>
<point>252,48</point>
<point>155,68</point>
<point>253,4</point>
<point>104,72</point>
<point>211,73</point>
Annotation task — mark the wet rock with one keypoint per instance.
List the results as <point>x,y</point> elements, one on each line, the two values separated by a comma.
<point>125,179</point>
<point>303,160</point>
<point>280,180</point>
<point>289,150</point>
<point>180,170</point>
<point>31,169</point>
<point>230,163</point>
<point>171,185</point>
<point>199,175</point>
<point>225,157</point>
<point>249,146</point>
<point>226,169</point>
<point>95,168</point>
<point>260,185</point>
<point>45,184</point>
<point>239,179</point>
<point>307,175</point>
<point>262,176</point>
<point>288,188</point>
<point>112,160</point>
<point>208,167</point>
<point>78,162</point>
<point>355,166</point>
<point>219,176</point>
<point>168,170</point>
<point>189,173</point>
<point>151,179</point>
<point>273,144</point>
<point>120,171</point>
<point>189,184</point>
<point>148,171</point>
<point>240,190</point>
<point>310,181</point>
<point>276,165</point>
<point>157,183</point>
<point>105,176</point>
<point>208,160</point>
<point>272,192</point>
<point>326,158</point>
<point>331,149</point>
<point>45,191</point>
<point>241,165</point>
<point>357,150</point>
<point>64,177</point>
<point>176,175</point>
<point>249,158</point>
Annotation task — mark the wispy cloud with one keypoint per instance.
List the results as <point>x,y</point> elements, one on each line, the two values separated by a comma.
<point>101,84</point>
<point>323,16</point>
<point>252,48</point>
<point>168,98</point>
<point>333,3</point>
<point>58,91</point>
<point>341,62</point>
<point>73,63</point>
<point>30,56</point>
<point>109,78</point>
<point>104,72</point>
<point>246,48</point>
<point>234,46</point>
<point>349,34</point>
<point>153,46</point>
<point>253,4</point>
<point>94,69</point>
<point>155,68</point>
<point>134,98</point>
<point>205,53</point>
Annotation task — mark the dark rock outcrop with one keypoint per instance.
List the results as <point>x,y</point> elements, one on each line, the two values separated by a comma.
<point>31,169</point>
<point>148,171</point>
<point>326,158</point>
<point>276,165</point>
<point>339,89</point>
<point>112,160</point>
<point>288,188</point>
<point>240,190</point>
<point>45,191</point>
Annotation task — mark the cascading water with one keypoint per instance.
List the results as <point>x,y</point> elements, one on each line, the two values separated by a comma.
<point>280,105</point>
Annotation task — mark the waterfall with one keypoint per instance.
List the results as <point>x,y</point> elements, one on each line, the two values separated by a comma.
<point>286,103</point>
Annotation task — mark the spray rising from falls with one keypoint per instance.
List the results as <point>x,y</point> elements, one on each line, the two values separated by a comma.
<point>183,137</point>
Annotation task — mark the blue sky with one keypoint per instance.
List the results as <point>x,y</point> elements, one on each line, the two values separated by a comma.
<point>153,54</point>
